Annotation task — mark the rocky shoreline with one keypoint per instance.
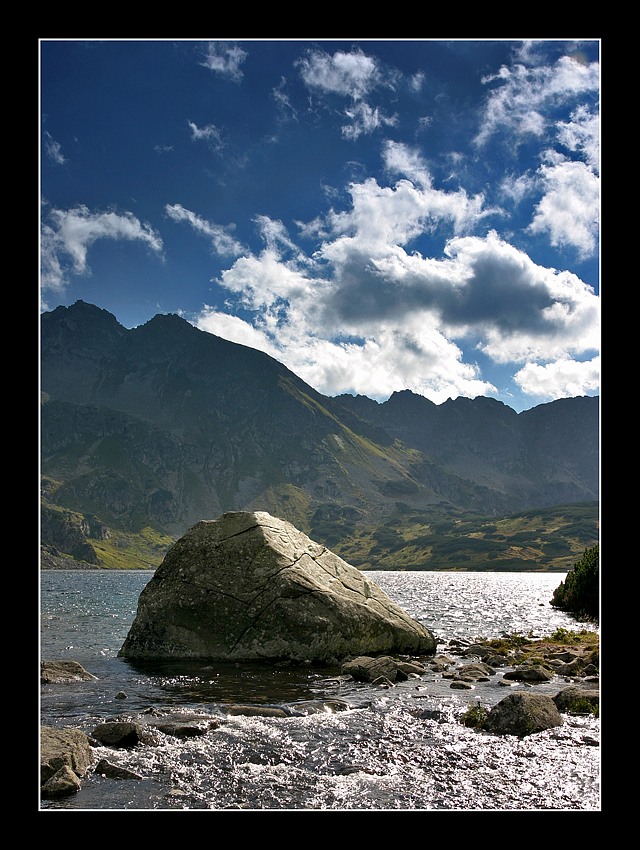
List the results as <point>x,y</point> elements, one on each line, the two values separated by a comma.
<point>67,754</point>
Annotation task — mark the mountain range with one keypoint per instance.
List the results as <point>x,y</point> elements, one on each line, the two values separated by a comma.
<point>146,431</point>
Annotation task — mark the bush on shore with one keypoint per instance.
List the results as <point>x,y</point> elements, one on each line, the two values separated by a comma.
<point>579,593</point>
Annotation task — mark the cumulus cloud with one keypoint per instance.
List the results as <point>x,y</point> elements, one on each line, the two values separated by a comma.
<point>569,211</point>
<point>225,58</point>
<point>563,378</point>
<point>235,329</point>
<point>364,314</point>
<point>67,235</point>
<point>517,309</point>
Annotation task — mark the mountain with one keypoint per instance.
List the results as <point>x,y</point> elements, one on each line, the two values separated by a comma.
<point>150,430</point>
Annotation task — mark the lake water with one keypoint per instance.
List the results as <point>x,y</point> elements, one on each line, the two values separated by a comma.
<point>396,749</point>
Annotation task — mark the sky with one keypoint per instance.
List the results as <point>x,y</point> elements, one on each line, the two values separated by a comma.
<point>377,215</point>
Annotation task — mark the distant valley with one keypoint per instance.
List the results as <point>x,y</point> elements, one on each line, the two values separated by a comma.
<point>146,431</point>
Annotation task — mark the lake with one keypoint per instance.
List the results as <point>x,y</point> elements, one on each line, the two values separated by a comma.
<point>396,749</point>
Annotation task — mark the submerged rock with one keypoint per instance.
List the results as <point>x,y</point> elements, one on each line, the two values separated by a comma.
<point>113,771</point>
<point>250,586</point>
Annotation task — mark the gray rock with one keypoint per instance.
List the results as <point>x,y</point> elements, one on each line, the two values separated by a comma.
<point>521,714</point>
<point>185,728</point>
<point>53,672</point>
<point>442,661</point>
<point>478,671</point>
<point>565,656</point>
<point>250,586</point>
<point>530,673</point>
<point>577,699</point>
<point>479,649</point>
<point>113,771</point>
<point>364,668</point>
<point>410,669</point>
<point>63,783</point>
<point>238,709</point>
<point>571,668</point>
<point>383,682</point>
<point>63,752</point>
<point>118,733</point>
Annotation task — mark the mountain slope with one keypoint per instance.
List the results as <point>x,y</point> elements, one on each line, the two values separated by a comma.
<point>543,456</point>
<point>163,425</point>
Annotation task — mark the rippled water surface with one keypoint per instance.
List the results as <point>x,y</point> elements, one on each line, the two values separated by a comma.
<point>342,745</point>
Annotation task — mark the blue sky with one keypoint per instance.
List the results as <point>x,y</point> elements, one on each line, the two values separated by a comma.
<point>376,215</point>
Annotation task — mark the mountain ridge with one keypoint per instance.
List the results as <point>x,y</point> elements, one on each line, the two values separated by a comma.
<point>162,425</point>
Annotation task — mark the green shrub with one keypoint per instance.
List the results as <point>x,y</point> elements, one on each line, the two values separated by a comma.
<point>579,593</point>
<point>583,706</point>
<point>474,717</point>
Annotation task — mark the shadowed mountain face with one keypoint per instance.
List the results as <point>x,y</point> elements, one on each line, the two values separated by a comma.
<point>165,425</point>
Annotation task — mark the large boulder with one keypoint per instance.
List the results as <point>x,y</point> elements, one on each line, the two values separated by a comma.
<point>250,586</point>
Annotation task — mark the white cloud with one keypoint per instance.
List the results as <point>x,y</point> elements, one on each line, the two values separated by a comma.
<point>355,76</point>
<point>222,241</point>
<point>560,379</point>
<point>209,134</point>
<point>416,82</point>
<point>382,218</point>
<point>518,104</point>
<point>68,234</point>
<point>517,187</point>
<point>53,149</point>
<point>569,212</point>
<point>401,159</point>
<point>235,329</point>
<point>281,97</point>
<point>276,238</point>
<point>363,315</point>
<point>266,283</point>
<point>365,119</point>
<point>518,310</point>
<point>225,58</point>
<point>351,75</point>
<point>582,135</point>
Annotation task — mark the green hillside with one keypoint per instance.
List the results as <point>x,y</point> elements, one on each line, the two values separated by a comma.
<point>549,539</point>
